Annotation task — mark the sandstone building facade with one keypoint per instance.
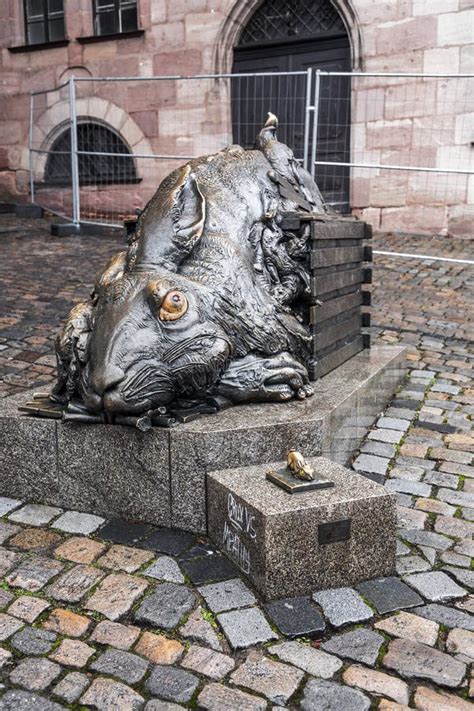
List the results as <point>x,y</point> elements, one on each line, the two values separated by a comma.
<point>375,120</point>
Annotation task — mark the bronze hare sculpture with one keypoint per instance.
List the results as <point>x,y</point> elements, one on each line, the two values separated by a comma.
<point>208,303</point>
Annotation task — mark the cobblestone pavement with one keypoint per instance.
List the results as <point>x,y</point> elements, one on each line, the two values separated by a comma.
<point>102,614</point>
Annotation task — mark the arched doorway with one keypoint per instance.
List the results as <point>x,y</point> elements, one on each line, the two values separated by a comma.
<point>289,36</point>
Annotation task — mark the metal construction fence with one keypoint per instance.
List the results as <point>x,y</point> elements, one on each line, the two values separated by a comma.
<point>399,146</point>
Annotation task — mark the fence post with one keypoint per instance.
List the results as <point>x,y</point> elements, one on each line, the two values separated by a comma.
<point>317,90</point>
<point>30,149</point>
<point>76,196</point>
<point>307,116</point>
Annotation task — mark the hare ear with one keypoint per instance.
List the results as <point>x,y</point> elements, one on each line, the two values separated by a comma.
<point>172,223</point>
<point>189,210</point>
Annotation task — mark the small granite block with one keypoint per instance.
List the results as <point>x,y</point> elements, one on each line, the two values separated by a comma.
<point>291,545</point>
<point>389,594</point>
<point>342,606</point>
<point>447,616</point>
<point>168,540</point>
<point>205,570</point>
<point>7,505</point>
<point>19,700</point>
<point>322,694</point>
<point>311,660</point>
<point>71,687</point>
<point>35,514</point>
<point>411,659</point>
<point>216,697</point>
<point>244,628</point>
<point>33,641</point>
<point>77,522</point>
<point>110,694</point>
<point>295,617</point>
<point>435,586</point>
<point>118,530</point>
<point>123,665</point>
<point>172,684</point>
<point>166,606</point>
<point>278,682</point>
<point>227,595</point>
<point>35,674</point>
<point>361,645</point>
<point>165,568</point>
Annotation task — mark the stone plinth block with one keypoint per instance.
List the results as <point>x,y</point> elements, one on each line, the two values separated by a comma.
<point>294,544</point>
<point>159,477</point>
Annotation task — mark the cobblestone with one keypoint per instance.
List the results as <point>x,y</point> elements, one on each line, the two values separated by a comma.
<point>125,666</point>
<point>343,605</point>
<point>35,674</point>
<point>67,623</point>
<point>115,634</point>
<point>172,684</point>
<point>244,628</point>
<point>208,662</point>
<point>409,626</point>
<point>272,679</point>
<point>166,606</point>
<point>411,659</point>
<point>314,661</point>
<point>72,653</point>
<point>377,682</point>
<point>77,522</point>
<point>215,697</point>
<point>33,641</point>
<point>159,649</point>
<point>28,608</point>
<point>332,697</point>
<point>227,595</point>
<point>361,645</point>
<point>108,695</point>
<point>116,595</point>
<point>72,686</point>
<point>435,586</point>
<point>35,514</point>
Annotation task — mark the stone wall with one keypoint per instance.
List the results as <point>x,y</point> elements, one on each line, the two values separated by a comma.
<point>392,121</point>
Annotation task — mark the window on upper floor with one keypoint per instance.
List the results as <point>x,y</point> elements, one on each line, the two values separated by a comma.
<point>115,16</point>
<point>44,21</point>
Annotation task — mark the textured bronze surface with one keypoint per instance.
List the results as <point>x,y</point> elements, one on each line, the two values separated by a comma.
<point>209,304</point>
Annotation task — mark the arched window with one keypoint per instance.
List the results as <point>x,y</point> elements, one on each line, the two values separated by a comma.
<point>103,157</point>
<point>280,20</point>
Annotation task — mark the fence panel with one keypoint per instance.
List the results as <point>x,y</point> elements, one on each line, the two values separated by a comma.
<point>50,157</point>
<point>409,157</point>
<point>393,148</point>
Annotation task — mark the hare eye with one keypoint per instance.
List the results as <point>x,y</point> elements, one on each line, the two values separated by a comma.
<point>173,306</point>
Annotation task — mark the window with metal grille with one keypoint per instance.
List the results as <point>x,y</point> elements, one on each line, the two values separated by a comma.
<point>44,21</point>
<point>115,16</point>
<point>280,21</point>
<point>103,157</point>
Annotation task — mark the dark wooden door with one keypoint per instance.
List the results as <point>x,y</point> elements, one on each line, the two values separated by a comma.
<point>285,96</point>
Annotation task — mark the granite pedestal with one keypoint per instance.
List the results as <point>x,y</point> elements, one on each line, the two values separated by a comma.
<point>160,476</point>
<point>292,545</point>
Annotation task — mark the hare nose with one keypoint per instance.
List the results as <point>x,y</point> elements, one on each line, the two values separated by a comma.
<point>105,378</point>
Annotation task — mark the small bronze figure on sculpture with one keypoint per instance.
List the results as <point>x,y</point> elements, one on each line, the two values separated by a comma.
<point>298,466</point>
<point>207,306</point>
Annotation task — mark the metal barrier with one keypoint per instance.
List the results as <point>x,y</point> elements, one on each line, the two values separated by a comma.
<point>393,143</point>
